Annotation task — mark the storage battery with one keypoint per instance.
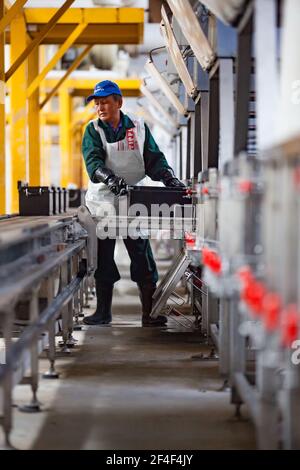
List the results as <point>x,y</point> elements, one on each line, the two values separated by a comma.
<point>35,200</point>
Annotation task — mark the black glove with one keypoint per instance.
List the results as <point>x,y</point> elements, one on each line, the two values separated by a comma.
<point>116,184</point>
<point>169,179</point>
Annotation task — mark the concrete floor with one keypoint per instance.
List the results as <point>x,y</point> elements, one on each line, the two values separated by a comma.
<point>127,387</point>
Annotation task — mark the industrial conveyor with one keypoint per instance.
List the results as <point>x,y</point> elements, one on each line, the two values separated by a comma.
<point>43,268</point>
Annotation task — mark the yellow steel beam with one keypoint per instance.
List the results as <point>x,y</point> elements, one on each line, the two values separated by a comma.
<point>76,160</point>
<point>64,135</point>
<point>12,12</point>
<point>41,16</point>
<point>2,119</point>
<point>51,118</point>
<point>84,86</point>
<point>66,45</point>
<point>34,122</point>
<point>106,25</point>
<point>18,110</point>
<point>72,67</point>
<point>38,39</point>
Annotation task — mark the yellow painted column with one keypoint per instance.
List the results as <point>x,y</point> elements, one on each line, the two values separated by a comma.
<point>76,157</point>
<point>45,134</point>
<point>65,119</point>
<point>2,119</point>
<point>18,84</point>
<point>34,122</point>
<point>84,175</point>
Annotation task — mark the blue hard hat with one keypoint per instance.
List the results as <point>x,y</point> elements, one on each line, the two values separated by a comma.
<point>103,89</point>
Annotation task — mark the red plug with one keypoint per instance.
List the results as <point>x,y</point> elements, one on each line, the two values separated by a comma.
<point>190,239</point>
<point>290,329</point>
<point>212,260</point>
<point>271,308</point>
<point>216,263</point>
<point>245,186</point>
<point>245,275</point>
<point>253,295</point>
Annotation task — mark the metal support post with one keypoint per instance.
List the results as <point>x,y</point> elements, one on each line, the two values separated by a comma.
<point>197,162</point>
<point>65,311</point>
<point>34,405</point>
<point>71,340</point>
<point>76,160</point>
<point>34,123</point>
<point>8,316</point>
<point>18,128</point>
<point>65,119</point>
<point>226,111</point>
<point>51,373</point>
<point>237,352</point>
<point>214,124</point>
<point>267,422</point>
<point>189,153</point>
<point>224,350</point>
<point>204,127</point>
<point>267,91</point>
<point>243,78</point>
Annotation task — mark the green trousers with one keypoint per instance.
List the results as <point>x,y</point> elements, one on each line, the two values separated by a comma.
<point>142,267</point>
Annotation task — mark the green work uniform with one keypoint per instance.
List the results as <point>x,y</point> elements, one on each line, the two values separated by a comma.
<point>143,267</point>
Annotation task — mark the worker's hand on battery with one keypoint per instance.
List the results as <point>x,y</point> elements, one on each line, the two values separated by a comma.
<point>169,179</point>
<point>117,185</point>
<point>175,183</point>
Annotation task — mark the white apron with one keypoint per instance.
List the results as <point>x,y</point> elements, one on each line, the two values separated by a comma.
<point>124,158</point>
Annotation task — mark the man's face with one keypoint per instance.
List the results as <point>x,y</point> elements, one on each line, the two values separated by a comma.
<point>108,108</point>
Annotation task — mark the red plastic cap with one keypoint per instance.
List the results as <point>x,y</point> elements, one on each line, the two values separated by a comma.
<point>212,260</point>
<point>245,275</point>
<point>190,239</point>
<point>245,186</point>
<point>253,295</point>
<point>290,328</point>
<point>272,305</point>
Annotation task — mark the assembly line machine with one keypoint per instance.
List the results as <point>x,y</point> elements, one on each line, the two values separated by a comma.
<point>237,148</point>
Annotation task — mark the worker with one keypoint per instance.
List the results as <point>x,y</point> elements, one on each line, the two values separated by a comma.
<point>119,149</point>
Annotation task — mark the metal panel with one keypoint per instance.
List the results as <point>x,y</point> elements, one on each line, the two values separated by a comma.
<point>243,76</point>
<point>214,124</point>
<point>169,282</point>
<point>267,90</point>
<point>226,111</point>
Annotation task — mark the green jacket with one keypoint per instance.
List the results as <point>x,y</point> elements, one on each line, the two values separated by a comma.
<point>94,153</point>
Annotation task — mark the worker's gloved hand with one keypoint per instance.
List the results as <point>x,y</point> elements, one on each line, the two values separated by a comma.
<point>169,179</point>
<point>116,184</point>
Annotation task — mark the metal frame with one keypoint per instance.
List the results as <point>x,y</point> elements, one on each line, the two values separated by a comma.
<point>22,241</point>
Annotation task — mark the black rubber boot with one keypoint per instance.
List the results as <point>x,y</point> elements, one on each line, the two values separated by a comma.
<point>102,316</point>
<point>146,292</point>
